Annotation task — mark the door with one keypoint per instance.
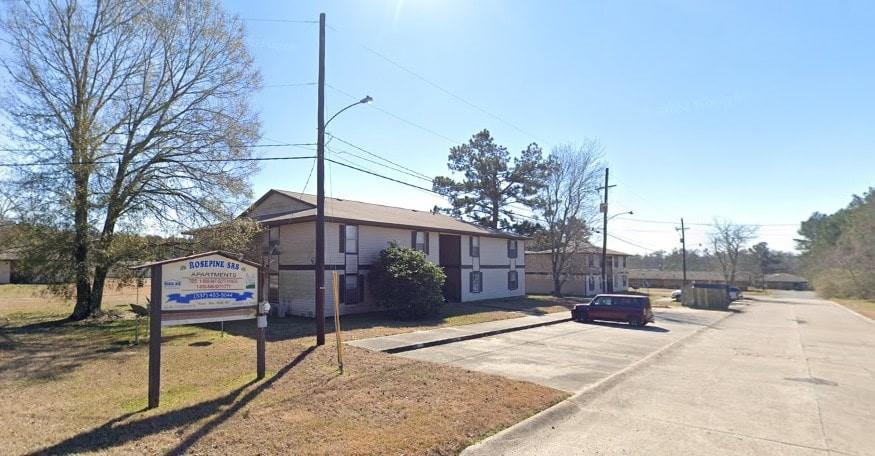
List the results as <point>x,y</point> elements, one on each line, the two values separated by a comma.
<point>600,308</point>
<point>450,260</point>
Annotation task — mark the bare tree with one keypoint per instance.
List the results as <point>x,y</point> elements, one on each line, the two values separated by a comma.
<point>568,200</point>
<point>131,115</point>
<point>729,240</point>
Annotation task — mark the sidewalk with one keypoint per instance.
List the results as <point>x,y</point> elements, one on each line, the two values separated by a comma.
<point>421,339</point>
<point>786,376</point>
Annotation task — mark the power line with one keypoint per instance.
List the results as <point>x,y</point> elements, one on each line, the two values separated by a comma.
<point>397,117</point>
<point>200,160</point>
<point>306,146</point>
<point>443,89</point>
<point>376,174</point>
<point>631,243</point>
<point>373,173</point>
<point>285,21</point>
<point>291,84</point>
<point>338,151</point>
<point>668,222</point>
<point>378,156</point>
<point>307,182</point>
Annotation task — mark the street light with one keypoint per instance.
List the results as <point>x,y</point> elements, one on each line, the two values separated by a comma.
<point>367,99</point>
<point>319,313</point>
<point>621,213</point>
<point>605,244</point>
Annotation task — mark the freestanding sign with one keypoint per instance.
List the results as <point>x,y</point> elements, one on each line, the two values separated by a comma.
<point>208,287</point>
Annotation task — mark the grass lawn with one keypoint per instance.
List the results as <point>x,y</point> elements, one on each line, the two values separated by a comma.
<point>659,297</point>
<point>861,306</point>
<point>81,387</point>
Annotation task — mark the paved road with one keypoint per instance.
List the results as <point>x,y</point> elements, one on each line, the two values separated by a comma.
<point>793,375</point>
<point>568,356</point>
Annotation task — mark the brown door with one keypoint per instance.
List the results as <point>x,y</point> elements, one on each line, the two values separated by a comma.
<point>450,260</point>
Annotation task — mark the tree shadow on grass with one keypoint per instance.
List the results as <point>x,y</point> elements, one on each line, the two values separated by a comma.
<point>111,435</point>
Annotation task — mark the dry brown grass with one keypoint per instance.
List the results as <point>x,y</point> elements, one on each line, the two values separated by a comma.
<point>82,388</point>
<point>660,297</point>
<point>861,306</point>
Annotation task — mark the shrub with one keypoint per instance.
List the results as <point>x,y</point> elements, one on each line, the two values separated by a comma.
<point>404,280</point>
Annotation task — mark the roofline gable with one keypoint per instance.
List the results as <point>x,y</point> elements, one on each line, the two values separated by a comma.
<point>268,194</point>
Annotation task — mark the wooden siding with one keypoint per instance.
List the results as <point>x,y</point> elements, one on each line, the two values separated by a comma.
<point>494,263</point>
<point>277,203</point>
<point>297,265</point>
<point>539,278</point>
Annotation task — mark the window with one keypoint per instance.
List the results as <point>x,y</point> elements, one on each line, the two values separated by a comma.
<point>511,249</point>
<point>512,280</point>
<point>476,279</point>
<point>623,282</point>
<point>615,261</point>
<point>474,246</point>
<point>419,241</point>
<point>591,260</point>
<point>592,282</point>
<point>603,301</point>
<point>352,288</point>
<point>349,238</point>
<point>624,262</point>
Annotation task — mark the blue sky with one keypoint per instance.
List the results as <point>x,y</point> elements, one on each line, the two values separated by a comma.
<point>758,112</point>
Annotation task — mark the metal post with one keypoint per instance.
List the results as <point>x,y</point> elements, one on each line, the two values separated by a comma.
<point>259,330</point>
<point>319,313</point>
<point>155,338</point>
<point>684,251</point>
<point>605,238</point>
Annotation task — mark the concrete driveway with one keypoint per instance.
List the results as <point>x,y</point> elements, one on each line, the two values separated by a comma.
<point>568,356</point>
<point>787,376</point>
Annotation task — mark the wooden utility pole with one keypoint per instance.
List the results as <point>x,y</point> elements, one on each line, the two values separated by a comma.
<point>155,338</point>
<point>260,331</point>
<point>604,210</point>
<point>684,252</point>
<point>319,313</point>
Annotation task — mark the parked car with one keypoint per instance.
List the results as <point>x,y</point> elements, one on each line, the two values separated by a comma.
<point>676,295</point>
<point>735,293</point>
<point>632,309</point>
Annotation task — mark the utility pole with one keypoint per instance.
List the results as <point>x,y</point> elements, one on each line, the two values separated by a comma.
<point>684,251</point>
<point>319,313</point>
<point>604,209</point>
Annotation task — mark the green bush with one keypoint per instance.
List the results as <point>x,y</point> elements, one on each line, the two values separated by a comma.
<point>404,280</point>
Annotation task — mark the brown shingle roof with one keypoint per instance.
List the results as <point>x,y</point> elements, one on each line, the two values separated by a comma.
<point>583,248</point>
<point>785,277</point>
<point>650,274</point>
<point>343,210</point>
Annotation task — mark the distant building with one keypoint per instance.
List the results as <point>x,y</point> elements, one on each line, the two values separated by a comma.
<point>585,274</point>
<point>656,278</point>
<point>785,281</point>
<point>8,260</point>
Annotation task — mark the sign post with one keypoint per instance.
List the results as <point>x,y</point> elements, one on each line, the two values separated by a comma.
<point>207,287</point>
<point>155,338</point>
<point>337,334</point>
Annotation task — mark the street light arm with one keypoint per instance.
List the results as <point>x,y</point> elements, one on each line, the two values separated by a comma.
<point>364,100</point>
<point>621,213</point>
